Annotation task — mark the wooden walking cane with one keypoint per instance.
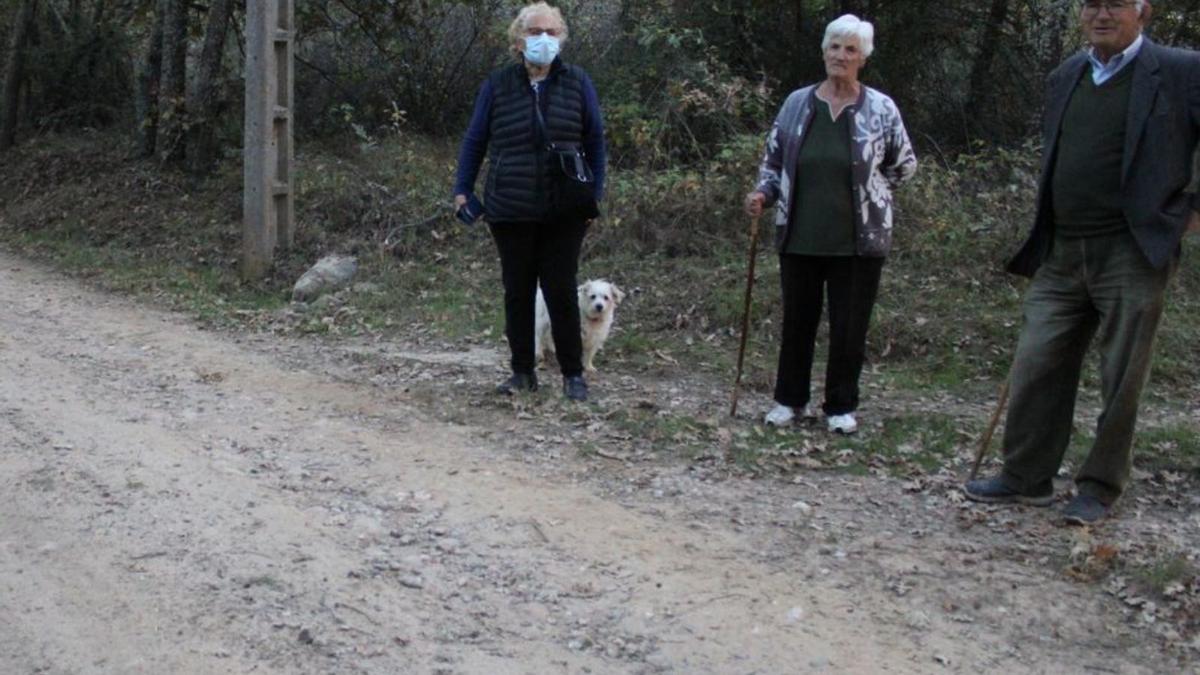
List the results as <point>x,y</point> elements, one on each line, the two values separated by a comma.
<point>991,428</point>
<point>745,313</point>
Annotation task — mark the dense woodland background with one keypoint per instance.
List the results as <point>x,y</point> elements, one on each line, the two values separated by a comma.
<point>679,80</point>
<point>120,155</point>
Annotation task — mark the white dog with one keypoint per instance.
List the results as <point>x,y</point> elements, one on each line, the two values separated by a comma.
<point>598,300</point>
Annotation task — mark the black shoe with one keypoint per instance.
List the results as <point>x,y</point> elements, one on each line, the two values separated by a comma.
<point>1085,510</point>
<point>575,388</point>
<point>518,382</point>
<point>996,491</point>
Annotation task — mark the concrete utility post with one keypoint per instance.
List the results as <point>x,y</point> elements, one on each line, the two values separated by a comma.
<point>269,203</point>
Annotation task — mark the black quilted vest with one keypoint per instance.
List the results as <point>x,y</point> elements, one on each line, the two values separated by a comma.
<point>518,170</point>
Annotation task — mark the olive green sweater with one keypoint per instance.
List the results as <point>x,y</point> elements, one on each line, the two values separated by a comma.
<point>1086,184</point>
<point>824,216</point>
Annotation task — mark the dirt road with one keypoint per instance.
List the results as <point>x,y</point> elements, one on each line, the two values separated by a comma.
<point>180,501</point>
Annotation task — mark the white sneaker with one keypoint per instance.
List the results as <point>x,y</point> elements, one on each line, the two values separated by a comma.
<point>842,424</point>
<point>780,415</point>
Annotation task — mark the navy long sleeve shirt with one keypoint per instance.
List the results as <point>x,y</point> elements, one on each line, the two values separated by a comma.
<point>475,142</point>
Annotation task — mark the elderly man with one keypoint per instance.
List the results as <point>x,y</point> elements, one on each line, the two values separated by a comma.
<point>1120,128</point>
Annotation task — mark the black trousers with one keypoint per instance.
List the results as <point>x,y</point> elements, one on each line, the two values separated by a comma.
<point>851,284</point>
<point>545,253</point>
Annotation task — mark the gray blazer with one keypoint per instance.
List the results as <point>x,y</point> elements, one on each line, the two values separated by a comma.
<point>1161,133</point>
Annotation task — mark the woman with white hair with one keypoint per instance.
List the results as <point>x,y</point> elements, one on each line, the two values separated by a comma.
<point>837,150</point>
<point>528,117</point>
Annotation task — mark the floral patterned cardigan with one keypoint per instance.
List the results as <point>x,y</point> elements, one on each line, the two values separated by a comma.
<point>881,158</point>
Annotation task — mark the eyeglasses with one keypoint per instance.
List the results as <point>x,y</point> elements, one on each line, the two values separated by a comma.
<point>1113,6</point>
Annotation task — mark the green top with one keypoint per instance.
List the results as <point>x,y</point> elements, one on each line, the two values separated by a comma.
<point>823,216</point>
<point>1086,184</point>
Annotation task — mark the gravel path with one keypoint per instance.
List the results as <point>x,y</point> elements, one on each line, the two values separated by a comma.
<point>180,501</point>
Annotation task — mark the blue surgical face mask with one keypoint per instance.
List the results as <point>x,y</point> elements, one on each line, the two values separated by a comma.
<point>540,50</point>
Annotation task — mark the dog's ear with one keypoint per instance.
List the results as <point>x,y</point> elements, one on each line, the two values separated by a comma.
<point>583,287</point>
<point>618,295</point>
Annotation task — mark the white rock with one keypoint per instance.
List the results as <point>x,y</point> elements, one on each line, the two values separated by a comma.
<point>329,274</point>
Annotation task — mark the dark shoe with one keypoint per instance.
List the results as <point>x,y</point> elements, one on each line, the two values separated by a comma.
<point>996,491</point>
<point>518,382</point>
<point>1085,510</point>
<point>575,388</point>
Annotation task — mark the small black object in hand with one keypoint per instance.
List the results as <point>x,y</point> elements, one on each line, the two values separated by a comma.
<point>469,212</point>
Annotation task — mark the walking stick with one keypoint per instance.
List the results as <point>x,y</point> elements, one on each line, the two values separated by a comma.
<point>991,428</point>
<point>745,313</point>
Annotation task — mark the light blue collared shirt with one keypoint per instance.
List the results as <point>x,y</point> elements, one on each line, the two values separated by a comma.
<point>1103,72</point>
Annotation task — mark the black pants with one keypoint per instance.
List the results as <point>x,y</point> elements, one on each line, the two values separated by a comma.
<point>851,283</point>
<point>545,253</point>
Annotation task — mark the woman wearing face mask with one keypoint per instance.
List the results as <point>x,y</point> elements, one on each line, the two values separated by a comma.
<point>519,110</point>
<point>836,152</point>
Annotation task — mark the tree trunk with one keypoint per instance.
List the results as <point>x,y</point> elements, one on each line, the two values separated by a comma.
<point>14,75</point>
<point>203,107</point>
<point>800,30</point>
<point>1060,24</point>
<point>172,93</point>
<point>98,12</point>
<point>149,79</point>
<point>982,68</point>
